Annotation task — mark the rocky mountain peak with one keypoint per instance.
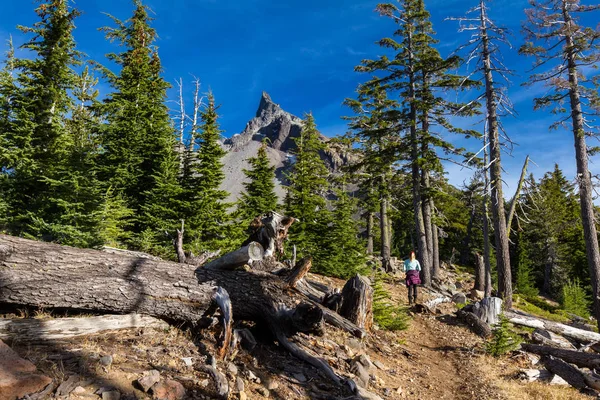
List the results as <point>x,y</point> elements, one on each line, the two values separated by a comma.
<point>266,106</point>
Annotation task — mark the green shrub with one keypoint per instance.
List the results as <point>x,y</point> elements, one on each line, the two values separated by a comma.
<point>386,315</point>
<point>503,340</point>
<point>574,299</point>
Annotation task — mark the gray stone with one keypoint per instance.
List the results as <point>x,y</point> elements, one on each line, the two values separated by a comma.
<point>263,391</point>
<point>459,298</point>
<point>149,379</point>
<point>232,368</point>
<point>361,373</point>
<point>188,361</point>
<point>253,377</point>
<point>106,360</point>
<point>112,395</point>
<point>364,360</point>
<point>239,384</point>
<point>78,390</point>
<point>379,365</point>
<point>272,384</point>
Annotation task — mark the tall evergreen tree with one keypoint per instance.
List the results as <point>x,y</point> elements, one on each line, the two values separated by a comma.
<point>39,139</point>
<point>138,137</point>
<point>306,192</point>
<point>259,196</point>
<point>418,74</point>
<point>8,92</point>
<point>205,208</point>
<point>559,42</point>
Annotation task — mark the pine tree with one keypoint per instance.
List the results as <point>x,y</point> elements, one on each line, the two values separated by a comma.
<point>8,91</point>
<point>205,210</point>
<point>138,138</point>
<point>305,198</point>
<point>418,74</point>
<point>372,133</point>
<point>259,196</point>
<point>39,197</point>
<point>557,40</point>
<point>341,253</point>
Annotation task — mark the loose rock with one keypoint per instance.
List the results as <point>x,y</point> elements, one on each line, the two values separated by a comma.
<point>168,390</point>
<point>112,395</point>
<point>239,384</point>
<point>149,380</point>
<point>18,377</point>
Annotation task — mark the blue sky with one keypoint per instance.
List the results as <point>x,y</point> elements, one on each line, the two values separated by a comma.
<point>303,54</point>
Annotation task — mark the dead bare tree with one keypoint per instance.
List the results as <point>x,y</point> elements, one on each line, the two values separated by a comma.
<point>568,50</point>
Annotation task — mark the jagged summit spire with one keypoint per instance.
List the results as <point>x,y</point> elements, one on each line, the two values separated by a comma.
<point>266,105</point>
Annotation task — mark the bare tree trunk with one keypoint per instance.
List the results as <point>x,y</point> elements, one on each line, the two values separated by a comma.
<point>465,251</point>
<point>436,254</point>
<point>513,203</point>
<point>416,176</point>
<point>427,217</point>
<point>584,179</point>
<point>385,240</point>
<point>486,229</point>
<point>479,273</point>
<point>369,232</point>
<point>498,213</point>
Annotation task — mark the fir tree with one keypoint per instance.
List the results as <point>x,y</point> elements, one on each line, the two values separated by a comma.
<point>305,198</point>
<point>39,197</point>
<point>205,209</point>
<point>138,138</point>
<point>259,196</point>
<point>341,253</point>
<point>503,339</point>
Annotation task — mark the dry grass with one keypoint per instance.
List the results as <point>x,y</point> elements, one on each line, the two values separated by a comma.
<point>502,374</point>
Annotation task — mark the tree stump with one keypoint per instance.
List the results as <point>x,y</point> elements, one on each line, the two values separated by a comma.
<point>357,302</point>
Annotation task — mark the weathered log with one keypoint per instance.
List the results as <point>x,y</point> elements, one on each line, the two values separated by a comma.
<point>270,231</point>
<point>299,271</point>
<point>569,373</point>
<point>587,360</point>
<point>488,310</point>
<point>533,375</point>
<point>53,276</point>
<point>247,254</point>
<point>565,330</point>
<point>220,301</point>
<point>547,338</point>
<point>478,326</point>
<point>357,302</point>
<point>32,329</point>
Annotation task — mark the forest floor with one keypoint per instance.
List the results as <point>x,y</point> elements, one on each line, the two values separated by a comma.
<point>436,358</point>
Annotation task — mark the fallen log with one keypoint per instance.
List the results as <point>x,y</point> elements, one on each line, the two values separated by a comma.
<point>547,338</point>
<point>299,271</point>
<point>247,254</point>
<point>32,329</point>
<point>587,360</point>
<point>569,373</point>
<point>478,326</point>
<point>541,375</point>
<point>565,330</point>
<point>48,275</point>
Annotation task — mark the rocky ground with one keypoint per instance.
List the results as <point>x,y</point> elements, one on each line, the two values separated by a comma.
<point>435,358</point>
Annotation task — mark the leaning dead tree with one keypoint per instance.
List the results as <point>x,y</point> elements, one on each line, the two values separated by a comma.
<point>48,275</point>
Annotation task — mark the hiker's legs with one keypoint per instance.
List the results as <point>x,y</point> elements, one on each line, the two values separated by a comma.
<point>410,290</point>
<point>415,294</point>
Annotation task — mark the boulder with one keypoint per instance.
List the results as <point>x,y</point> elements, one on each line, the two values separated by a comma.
<point>459,298</point>
<point>168,390</point>
<point>18,377</point>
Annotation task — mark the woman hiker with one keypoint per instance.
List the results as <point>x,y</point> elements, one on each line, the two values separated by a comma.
<point>412,269</point>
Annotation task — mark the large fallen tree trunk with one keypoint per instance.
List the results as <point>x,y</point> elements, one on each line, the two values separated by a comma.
<point>33,329</point>
<point>52,276</point>
<point>572,375</point>
<point>581,359</point>
<point>48,275</point>
<point>565,330</point>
